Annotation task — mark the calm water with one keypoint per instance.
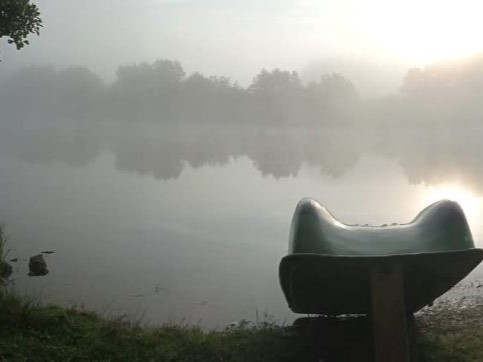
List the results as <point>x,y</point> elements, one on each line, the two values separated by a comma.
<point>201,247</point>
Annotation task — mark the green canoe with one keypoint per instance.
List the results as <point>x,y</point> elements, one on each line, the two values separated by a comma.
<point>328,268</point>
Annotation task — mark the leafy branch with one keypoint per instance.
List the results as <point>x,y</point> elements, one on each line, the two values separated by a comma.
<point>18,19</point>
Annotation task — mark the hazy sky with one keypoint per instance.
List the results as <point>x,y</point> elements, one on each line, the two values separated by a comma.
<point>238,38</point>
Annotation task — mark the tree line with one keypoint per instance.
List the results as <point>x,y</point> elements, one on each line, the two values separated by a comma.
<point>162,92</point>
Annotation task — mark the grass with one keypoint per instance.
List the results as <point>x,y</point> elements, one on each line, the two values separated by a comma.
<point>5,268</point>
<point>3,243</point>
<point>31,332</point>
<point>451,334</point>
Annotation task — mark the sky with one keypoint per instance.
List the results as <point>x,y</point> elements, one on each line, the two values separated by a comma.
<point>238,38</point>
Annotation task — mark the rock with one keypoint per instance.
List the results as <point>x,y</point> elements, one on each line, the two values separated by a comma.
<point>5,269</point>
<point>37,266</point>
<point>233,324</point>
<point>242,324</point>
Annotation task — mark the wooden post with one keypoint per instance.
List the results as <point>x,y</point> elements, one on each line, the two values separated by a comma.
<point>389,314</point>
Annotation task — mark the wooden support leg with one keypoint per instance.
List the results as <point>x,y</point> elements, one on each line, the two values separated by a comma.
<point>389,314</point>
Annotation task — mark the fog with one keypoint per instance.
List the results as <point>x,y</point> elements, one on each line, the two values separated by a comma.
<point>155,119</point>
<point>160,149</point>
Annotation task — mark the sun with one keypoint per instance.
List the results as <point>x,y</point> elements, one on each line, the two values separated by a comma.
<point>424,32</point>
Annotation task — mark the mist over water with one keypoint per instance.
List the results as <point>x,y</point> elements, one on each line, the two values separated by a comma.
<point>155,119</point>
<point>169,195</point>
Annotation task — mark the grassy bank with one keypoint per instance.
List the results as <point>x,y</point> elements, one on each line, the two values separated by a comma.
<point>32,332</point>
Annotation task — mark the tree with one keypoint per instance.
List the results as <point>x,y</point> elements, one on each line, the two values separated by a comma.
<point>18,19</point>
<point>449,91</point>
<point>275,95</point>
<point>276,82</point>
<point>332,99</point>
<point>149,91</point>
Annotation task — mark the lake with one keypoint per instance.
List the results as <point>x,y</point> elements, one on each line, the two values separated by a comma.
<point>146,228</point>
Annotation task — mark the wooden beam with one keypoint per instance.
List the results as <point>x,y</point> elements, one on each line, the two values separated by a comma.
<point>389,314</point>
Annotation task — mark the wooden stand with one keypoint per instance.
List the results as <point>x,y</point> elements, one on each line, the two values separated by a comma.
<point>389,314</point>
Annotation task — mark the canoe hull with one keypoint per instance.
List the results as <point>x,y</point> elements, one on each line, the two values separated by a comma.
<point>335,285</point>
